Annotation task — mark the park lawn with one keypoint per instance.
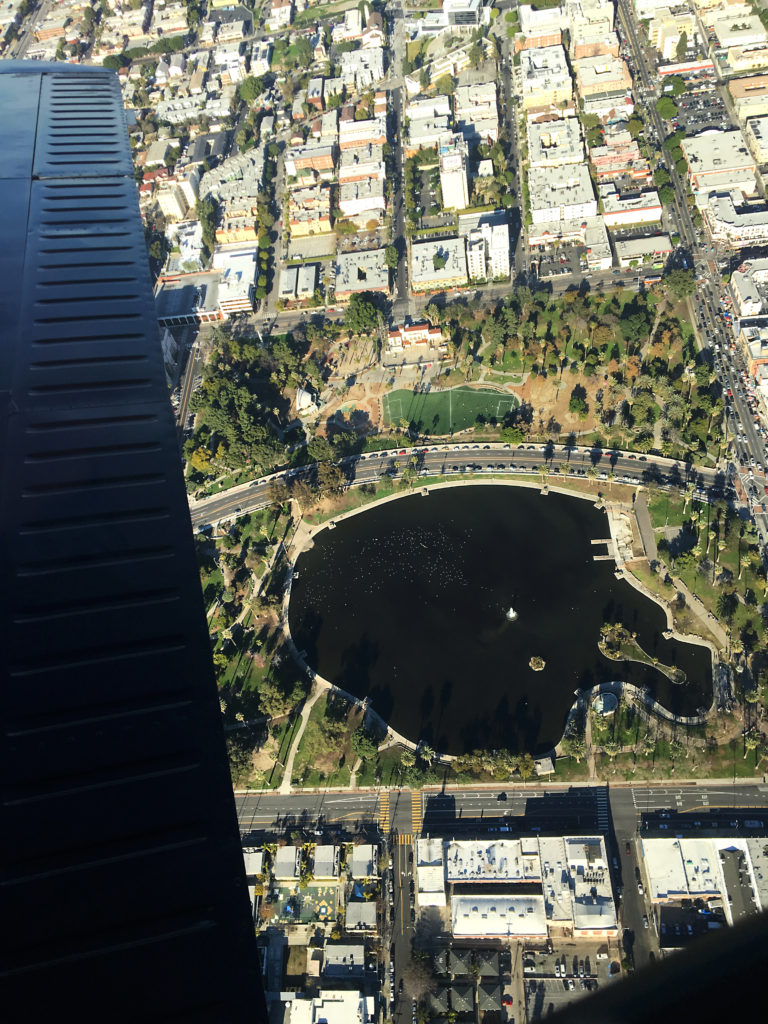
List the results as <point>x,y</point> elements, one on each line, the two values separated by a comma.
<point>569,770</point>
<point>666,509</point>
<point>683,618</point>
<point>445,412</point>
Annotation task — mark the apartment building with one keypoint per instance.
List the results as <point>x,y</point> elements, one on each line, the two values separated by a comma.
<point>439,265</point>
<point>732,221</point>
<point>361,272</point>
<point>361,164</point>
<point>545,77</point>
<point>561,193</point>
<point>539,28</point>
<point>555,143</point>
<point>354,134</point>
<point>309,211</point>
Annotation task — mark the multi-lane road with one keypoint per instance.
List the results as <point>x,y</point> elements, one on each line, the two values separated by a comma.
<point>464,460</point>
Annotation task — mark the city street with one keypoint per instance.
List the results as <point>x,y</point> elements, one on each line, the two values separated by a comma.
<point>456,458</point>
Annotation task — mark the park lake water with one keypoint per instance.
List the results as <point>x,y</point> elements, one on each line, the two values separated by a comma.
<point>406,604</point>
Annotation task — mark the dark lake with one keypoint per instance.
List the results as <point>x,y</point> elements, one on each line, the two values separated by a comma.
<point>406,604</point>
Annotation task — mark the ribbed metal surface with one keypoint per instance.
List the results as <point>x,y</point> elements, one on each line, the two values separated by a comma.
<point>122,888</point>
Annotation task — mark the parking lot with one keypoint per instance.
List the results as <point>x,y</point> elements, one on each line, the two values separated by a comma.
<point>553,980</point>
<point>566,259</point>
<point>701,107</point>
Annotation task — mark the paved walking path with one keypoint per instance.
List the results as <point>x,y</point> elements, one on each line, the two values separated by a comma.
<point>285,785</point>
<point>645,527</point>
<point>590,749</point>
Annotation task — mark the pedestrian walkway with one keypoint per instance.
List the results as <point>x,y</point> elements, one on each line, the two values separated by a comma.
<point>645,527</point>
<point>285,785</point>
<point>603,814</point>
<point>384,812</point>
<point>416,818</point>
<point>404,839</point>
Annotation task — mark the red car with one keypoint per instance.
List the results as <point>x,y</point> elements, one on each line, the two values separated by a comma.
<point>507,1000</point>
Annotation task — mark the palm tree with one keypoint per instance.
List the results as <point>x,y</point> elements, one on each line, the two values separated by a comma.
<point>751,742</point>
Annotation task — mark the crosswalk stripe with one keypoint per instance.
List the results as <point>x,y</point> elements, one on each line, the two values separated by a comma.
<point>404,839</point>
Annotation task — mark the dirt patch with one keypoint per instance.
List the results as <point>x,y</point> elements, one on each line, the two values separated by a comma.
<point>263,760</point>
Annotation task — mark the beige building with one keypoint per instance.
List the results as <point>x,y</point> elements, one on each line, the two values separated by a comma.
<point>545,77</point>
<point>604,74</point>
<point>750,96</point>
<point>756,136</point>
<point>667,26</point>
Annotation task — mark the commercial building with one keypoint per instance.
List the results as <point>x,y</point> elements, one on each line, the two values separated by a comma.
<point>631,251</point>
<point>561,193</point>
<point>440,265</point>
<point>529,887</point>
<point>739,31</point>
<point>733,221</point>
<point>555,143</point>
<point>589,232</point>
<point>361,272</point>
<point>453,156</point>
<point>742,59</point>
<point>718,160</point>
<point>620,209</point>
<point>545,77</point>
<point>750,96</point>
<point>237,281</point>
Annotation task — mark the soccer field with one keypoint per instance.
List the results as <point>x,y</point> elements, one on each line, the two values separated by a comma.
<point>444,412</point>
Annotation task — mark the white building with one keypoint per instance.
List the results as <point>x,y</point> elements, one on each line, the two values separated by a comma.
<point>498,917</point>
<point>328,1007</point>
<point>488,252</point>
<point>747,288</point>
<point>555,143</point>
<point>261,53</point>
<point>634,208</point>
<point>733,221</point>
<point>756,136</point>
<point>643,250</point>
<point>561,193</point>
<point>453,172</point>
<point>365,196</point>
<point>719,160</point>
<point>280,15</point>
<point>430,870</point>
